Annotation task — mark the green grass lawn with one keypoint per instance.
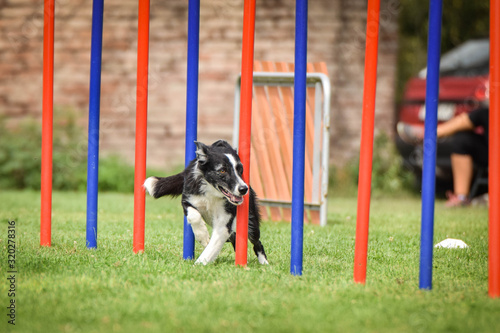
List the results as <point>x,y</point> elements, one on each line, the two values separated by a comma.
<point>68,288</point>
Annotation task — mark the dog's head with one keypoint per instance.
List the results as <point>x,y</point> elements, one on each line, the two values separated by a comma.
<point>222,168</point>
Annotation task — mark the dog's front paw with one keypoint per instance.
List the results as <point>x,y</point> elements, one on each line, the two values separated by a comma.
<point>204,240</point>
<point>201,261</point>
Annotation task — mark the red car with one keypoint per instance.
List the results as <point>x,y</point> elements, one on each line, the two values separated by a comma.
<point>463,86</point>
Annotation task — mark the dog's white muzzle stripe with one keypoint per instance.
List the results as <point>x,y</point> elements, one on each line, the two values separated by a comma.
<point>240,181</point>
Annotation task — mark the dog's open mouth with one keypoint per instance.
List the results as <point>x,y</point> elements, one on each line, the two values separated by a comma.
<point>234,199</point>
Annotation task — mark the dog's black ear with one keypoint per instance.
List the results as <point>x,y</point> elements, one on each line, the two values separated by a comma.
<point>201,152</point>
<point>222,144</point>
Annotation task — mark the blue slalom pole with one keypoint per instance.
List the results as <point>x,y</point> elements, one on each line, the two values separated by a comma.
<point>94,111</point>
<point>299,138</point>
<point>429,164</point>
<point>191,106</point>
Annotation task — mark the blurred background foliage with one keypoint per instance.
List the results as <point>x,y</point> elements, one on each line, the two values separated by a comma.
<point>20,158</point>
<point>462,20</point>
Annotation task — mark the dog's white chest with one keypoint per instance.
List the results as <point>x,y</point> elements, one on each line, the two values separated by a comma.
<point>211,209</point>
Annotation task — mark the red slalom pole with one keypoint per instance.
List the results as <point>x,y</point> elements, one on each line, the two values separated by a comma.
<point>494,151</point>
<point>47,123</point>
<point>141,125</point>
<point>245,126</point>
<point>366,151</point>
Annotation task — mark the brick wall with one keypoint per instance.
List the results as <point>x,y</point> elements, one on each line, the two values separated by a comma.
<point>336,36</point>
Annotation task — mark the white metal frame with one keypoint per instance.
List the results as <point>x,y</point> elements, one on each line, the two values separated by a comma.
<point>321,83</point>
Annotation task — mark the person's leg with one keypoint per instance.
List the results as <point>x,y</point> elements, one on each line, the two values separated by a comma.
<point>463,168</point>
<point>468,149</point>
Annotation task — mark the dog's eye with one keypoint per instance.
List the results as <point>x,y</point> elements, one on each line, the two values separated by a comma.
<point>222,171</point>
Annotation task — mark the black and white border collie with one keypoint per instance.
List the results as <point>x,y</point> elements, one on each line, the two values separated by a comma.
<point>211,188</point>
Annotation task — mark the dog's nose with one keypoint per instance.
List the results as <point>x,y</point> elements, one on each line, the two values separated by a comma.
<point>243,189</point>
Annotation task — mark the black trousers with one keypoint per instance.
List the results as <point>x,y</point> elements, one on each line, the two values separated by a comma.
<point>473,144</point>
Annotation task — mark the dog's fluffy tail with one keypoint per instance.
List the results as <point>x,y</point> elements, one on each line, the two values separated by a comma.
<point>160,186</point>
